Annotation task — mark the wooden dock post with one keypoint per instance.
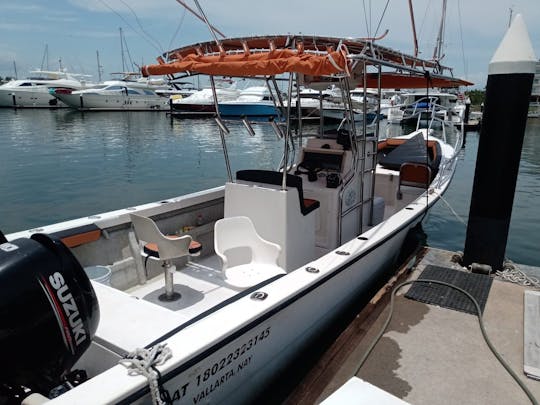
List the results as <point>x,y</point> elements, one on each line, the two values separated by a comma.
<point>509,83</point>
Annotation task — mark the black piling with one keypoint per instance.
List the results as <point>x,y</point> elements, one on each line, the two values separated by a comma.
<point>511,73</point>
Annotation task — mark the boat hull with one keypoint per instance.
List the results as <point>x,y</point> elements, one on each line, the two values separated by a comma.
<point>311,311</point>
<point>89,101</point>
<point>28,99</point>
<point>248,110</point>
<point>238,366</point>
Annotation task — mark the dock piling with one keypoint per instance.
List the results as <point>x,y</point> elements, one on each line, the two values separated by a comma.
<point>509,83</point>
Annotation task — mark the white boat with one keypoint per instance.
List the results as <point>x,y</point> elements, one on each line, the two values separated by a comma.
<point>254,101</point>
<point>418,105</point>
<point>534,107</point>
<point>201,103</point>
<point>283,254</point>
<point>33,92</point>
<point>118,95</point>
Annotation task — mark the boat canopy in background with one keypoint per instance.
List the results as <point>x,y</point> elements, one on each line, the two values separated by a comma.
<point>311,56</point>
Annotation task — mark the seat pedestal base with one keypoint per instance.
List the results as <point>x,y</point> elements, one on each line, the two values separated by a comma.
<point>169,294</point>
<point>173,297</point>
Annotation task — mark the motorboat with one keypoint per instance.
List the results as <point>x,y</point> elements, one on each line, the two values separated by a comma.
<point>127,94</point>
<point>201,103</point>
<point>534,107</point>
<point>210,296</point>
<point>422,104</point>
<point>364,104</point>
<point>33,92</point>
<point>254,101</point>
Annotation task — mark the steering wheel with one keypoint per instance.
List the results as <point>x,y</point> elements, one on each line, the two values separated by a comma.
<point>312,170</point>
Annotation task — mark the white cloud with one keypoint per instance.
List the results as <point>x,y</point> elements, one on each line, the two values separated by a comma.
<point>483,24</point>
<point>143,8</point>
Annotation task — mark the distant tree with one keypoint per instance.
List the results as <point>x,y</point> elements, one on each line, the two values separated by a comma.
<point>477,96</point>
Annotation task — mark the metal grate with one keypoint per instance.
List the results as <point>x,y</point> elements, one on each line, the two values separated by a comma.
<point>478,285</point>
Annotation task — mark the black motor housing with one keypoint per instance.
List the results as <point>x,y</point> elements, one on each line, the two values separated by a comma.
<point>48,312</point>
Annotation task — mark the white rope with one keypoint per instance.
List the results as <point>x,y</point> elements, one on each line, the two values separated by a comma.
<point>458,217</point>
<point>514,275</point>
<point>143,361</point>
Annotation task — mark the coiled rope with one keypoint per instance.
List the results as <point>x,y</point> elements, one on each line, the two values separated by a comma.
<point>144,362</point>
<point>514,275</point>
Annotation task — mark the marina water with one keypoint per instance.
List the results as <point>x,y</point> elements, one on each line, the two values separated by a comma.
<point>57,165</point>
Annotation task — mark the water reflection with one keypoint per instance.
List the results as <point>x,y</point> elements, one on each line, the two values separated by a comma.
<point>64,164</point>
<point>447,231</point>
<point>60,164</point>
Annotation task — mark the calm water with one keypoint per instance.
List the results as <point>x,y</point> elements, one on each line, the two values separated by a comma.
<point>60,165</point>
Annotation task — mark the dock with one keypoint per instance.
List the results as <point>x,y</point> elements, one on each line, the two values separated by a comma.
<point>431,354</point>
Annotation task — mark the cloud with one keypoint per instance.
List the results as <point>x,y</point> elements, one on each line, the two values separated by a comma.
<point>143,8</point>
<point>20,8</point>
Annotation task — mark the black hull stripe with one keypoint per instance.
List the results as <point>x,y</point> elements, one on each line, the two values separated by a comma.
<point>269,314</point>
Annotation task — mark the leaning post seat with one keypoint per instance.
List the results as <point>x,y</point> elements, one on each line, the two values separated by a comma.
<point>307,205</point>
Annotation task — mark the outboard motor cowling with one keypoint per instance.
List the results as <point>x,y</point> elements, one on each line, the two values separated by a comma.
<point>48,312</point>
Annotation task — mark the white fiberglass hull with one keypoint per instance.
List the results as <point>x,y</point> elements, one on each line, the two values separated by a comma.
<point>116,102</point>
<point>37,98</point>
<point>232,353</point>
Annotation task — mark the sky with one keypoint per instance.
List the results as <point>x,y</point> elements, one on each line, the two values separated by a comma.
<point>48,34</point>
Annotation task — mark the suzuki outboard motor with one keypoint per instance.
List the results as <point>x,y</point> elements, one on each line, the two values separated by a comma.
<point>48,312</point>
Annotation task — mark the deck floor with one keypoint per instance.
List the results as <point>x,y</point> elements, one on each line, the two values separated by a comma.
<point>134,318</point>
<point>431,354</point>
<point>199,283</point>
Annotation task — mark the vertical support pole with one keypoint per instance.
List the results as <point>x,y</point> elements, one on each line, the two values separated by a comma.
<point>221,130</point>
<point>287,136</point>
<point>510,78</point>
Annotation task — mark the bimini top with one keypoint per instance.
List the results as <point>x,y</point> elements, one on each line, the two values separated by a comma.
<point>311,56</point>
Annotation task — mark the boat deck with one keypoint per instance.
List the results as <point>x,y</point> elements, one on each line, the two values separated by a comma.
<point>430,354</point>
<point>123,313</point>
<point>199,283</point>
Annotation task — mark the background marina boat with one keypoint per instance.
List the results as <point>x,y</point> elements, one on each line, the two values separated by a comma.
<point>534,107</point>
<point>335,110</point>
<point>33,92</point>
<point>330,222</point>
<point>118,95</point>
<point>254,101</point>
<point>201,103</point>
<point>427,104</point>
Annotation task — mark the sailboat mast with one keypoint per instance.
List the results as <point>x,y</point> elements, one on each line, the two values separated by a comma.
<point>411,12</point>
<point>45,58</point>
<point>98,67</point>
<point>437,53</point>
<point>122,50</point>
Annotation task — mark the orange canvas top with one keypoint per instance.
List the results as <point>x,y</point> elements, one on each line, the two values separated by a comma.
<point>312,56</point>
<point>268,63</point>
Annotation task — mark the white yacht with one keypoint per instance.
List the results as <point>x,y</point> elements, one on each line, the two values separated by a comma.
<point>33,92</point>
<point>118,95</point>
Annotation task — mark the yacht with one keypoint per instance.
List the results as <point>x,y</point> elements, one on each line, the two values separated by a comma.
<point>201,103</point>
<point>118,95</point>
<point>33,92</point>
